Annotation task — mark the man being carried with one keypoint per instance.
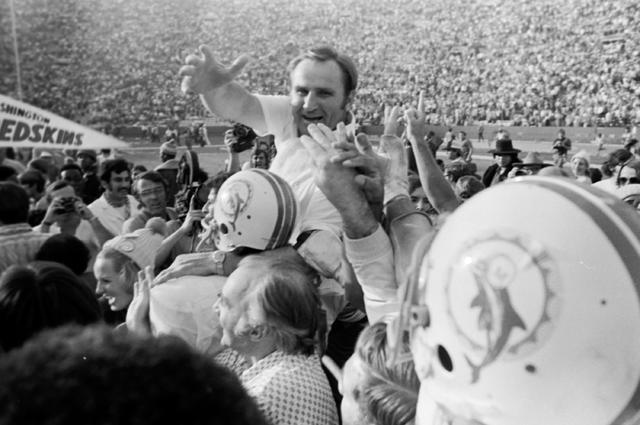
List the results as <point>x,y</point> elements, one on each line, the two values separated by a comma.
<point>322,85</point>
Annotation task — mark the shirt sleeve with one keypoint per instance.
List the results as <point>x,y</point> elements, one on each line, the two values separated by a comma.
<point>372,261</point>
<point>277,116</point>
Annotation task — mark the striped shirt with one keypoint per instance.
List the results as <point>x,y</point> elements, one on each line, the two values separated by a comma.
<point>19,244</point>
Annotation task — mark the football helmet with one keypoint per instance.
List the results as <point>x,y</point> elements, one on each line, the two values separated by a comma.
<point>525,309</point>
<point>254,208</point>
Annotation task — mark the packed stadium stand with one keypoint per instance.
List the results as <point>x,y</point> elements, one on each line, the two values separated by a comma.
<point>527,63</point>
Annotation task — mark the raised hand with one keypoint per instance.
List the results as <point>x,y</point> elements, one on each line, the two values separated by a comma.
<point>202,73</point>
<point>416,123</point>
<point>392,123</point>
<point>338,182</point>
<point>371,168</point>
<point>138,311</point>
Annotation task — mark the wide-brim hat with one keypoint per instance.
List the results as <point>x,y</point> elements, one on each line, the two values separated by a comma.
<point>532,160</point>
<point>504,147</point>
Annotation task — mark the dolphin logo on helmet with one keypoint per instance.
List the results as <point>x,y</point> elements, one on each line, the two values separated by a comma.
<point>254,209</point>
<point>533,309</point>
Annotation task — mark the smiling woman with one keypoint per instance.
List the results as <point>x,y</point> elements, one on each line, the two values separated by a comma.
<point>120,260</point>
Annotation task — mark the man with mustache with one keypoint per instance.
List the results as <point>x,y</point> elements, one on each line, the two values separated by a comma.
<point>116,205</point>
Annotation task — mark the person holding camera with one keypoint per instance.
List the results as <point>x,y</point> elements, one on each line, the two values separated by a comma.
<point>69,215</point>
<point>238,139</point>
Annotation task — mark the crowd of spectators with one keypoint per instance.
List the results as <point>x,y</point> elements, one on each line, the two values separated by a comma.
<point>542,63</point>
<point>324,281</point>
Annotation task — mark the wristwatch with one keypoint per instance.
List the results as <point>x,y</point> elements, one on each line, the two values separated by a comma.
<point>218,258</point>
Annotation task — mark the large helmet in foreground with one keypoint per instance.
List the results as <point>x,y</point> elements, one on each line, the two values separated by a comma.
<point>255,209</point>
<point>533,301</point>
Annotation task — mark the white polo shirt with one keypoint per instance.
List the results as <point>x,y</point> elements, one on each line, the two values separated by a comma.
<point>294,165</point>
<point>113,218</point>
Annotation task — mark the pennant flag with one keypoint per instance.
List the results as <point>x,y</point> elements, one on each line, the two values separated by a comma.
<point>24,126</point>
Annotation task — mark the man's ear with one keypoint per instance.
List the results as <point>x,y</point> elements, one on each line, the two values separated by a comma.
<point>258,332</point>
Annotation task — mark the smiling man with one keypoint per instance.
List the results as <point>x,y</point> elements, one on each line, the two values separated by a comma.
<point>152,192</point>
<point>322,86</point>
<point>115,206</point>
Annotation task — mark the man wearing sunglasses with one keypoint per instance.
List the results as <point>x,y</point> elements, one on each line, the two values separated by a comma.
<point>151,189</point>
<point>629,173</point>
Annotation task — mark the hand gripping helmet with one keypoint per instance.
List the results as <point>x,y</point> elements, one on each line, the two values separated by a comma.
<point>526,309</point>
<point>255,209</point>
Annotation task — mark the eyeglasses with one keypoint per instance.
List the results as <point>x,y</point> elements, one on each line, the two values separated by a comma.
<point>630,180</point>
<point>155,191</point>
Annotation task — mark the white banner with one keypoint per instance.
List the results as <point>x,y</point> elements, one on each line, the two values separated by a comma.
<point>25,126</point>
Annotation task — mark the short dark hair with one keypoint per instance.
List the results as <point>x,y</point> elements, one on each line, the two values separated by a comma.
<point>216,181</point>
<point>71,166</point>
<point>14,203</point>
<point>117,166</point>
<point>153,176</point>
<point>66,250</point>
<point>139,167</point>
<point>39,164</point>
<point>327,53</point>
<point>34,177</point>
<point>95,375</point>
<point>39,296</point>
<point>8,173</point>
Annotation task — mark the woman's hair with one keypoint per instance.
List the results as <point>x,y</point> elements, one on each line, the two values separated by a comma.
<point>39,296</point>
<point>121,263</point>
<point>284,290</point>
<point>387,394</point>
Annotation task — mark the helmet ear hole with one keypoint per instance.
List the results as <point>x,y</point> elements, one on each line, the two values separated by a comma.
<point>445,359</point>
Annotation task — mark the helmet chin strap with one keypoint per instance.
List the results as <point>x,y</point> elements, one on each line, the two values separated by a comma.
<point>206,237</point>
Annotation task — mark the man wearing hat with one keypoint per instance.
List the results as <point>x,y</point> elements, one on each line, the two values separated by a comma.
<point>505,156</point>
<point>92,189</point>
<point>530,166</point>
<point>169,169</point>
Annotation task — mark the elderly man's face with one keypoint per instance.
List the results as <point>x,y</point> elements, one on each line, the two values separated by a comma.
<point>231,310</point>
<point>317,94</point>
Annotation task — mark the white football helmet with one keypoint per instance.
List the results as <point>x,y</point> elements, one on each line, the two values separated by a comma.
<point>254,208</point>
<point>526,309</point>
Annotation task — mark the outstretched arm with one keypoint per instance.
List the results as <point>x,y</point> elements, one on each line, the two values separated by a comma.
<point>435,185</point>
<point>204,75</point>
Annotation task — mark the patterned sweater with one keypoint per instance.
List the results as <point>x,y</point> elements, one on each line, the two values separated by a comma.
<point>291,389</point>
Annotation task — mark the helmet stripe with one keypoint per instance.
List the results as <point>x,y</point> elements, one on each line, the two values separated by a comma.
<point>286,205</point>
<point>621,225</point>
<point>289,212</point>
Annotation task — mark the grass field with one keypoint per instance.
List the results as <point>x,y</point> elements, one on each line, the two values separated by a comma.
<point>212,158</point>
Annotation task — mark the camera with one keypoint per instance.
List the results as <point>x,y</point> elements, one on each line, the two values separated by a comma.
<point>245,137</point>
<point>189,179</point>
<point>184,197</point>
<point>67,205</point>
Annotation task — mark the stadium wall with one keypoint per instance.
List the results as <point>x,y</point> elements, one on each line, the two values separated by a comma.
<point>611,135</point>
